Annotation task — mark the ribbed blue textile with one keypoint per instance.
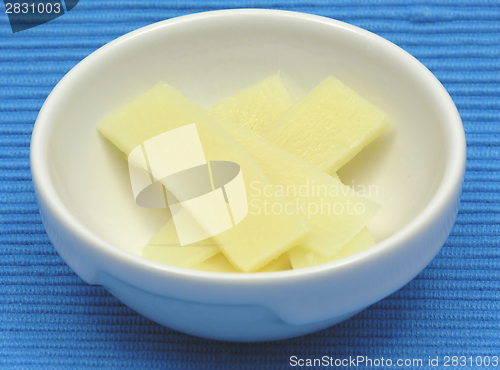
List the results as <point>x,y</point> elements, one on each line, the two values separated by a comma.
<point>50,318</point>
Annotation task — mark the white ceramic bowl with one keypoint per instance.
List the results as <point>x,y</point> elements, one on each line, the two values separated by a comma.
<point>85,199</point>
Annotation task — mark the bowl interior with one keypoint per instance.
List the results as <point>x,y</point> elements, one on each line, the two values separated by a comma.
<point>211,57</point>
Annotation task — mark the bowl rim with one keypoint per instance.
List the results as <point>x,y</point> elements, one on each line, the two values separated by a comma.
<point>452,175</point>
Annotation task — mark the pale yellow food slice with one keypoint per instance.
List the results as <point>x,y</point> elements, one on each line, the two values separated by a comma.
<point>257,239</point>
<point>164,247</point>
<point>281,263</point>
<point>219,263</point>
<point>332,229</point>
<point>258,107</point>
<point>329,126</point>
<point>204,255</point>
<point>302,257</point>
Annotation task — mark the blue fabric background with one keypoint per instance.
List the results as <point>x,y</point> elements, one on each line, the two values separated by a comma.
<point>50,318</point>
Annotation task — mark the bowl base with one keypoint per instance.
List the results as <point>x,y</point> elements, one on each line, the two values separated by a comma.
<point>235,323</point>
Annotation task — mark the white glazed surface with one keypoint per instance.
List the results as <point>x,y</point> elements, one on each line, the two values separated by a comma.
<point>85,199</point>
